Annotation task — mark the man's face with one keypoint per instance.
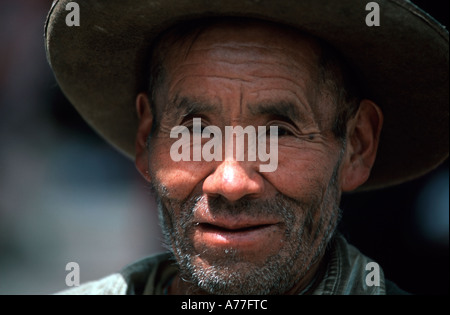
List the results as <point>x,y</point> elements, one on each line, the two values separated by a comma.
<point>232,228</point>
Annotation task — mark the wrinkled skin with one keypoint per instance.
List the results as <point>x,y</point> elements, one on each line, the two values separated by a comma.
<point>232,228</point>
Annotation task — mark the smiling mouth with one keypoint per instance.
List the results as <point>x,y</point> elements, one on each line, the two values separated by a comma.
<point>207,227</point>
<point>247,237</point>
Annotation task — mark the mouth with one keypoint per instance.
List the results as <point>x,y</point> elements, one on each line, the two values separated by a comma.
<point>216,228</point>
<point>238,235</point>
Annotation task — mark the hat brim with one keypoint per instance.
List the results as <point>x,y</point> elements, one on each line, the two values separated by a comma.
<point>403,65</point>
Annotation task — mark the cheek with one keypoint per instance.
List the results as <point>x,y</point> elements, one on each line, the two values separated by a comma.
<point>181,178</point>
<point>302,171</point>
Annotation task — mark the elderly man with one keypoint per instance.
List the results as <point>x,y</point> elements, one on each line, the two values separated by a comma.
<point>315,79</point>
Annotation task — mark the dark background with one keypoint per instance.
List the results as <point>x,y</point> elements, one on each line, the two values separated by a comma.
<point>65,195</point>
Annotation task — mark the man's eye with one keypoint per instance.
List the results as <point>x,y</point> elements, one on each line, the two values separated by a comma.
<point>189,124</point>
<point>282,131</point>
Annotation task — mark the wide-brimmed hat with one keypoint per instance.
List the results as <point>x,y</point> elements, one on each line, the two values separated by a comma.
<point>402,64</point>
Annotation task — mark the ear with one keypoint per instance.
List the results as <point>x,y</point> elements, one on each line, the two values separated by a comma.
<point>363,136</point>
<point>145,117</point>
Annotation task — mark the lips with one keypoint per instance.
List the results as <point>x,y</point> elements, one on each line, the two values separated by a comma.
<point>212,227</point>
<point>233,224</point>
<point>247,234</point>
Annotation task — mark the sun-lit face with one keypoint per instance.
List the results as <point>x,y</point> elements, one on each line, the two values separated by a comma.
<point>232,228</point>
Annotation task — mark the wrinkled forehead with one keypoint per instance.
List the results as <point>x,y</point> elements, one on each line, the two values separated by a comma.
<point>266,50</point>
<point>239,39</point>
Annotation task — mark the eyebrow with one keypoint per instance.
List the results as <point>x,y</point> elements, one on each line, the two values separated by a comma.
<point>188,106</point>
<point>283,109</point>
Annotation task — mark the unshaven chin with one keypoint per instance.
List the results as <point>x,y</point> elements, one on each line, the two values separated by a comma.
<point>307,227</point>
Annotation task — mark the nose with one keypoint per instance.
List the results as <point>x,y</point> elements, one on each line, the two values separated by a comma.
<point>234,180</point>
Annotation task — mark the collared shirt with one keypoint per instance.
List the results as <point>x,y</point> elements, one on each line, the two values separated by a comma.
<point>345,274</point>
